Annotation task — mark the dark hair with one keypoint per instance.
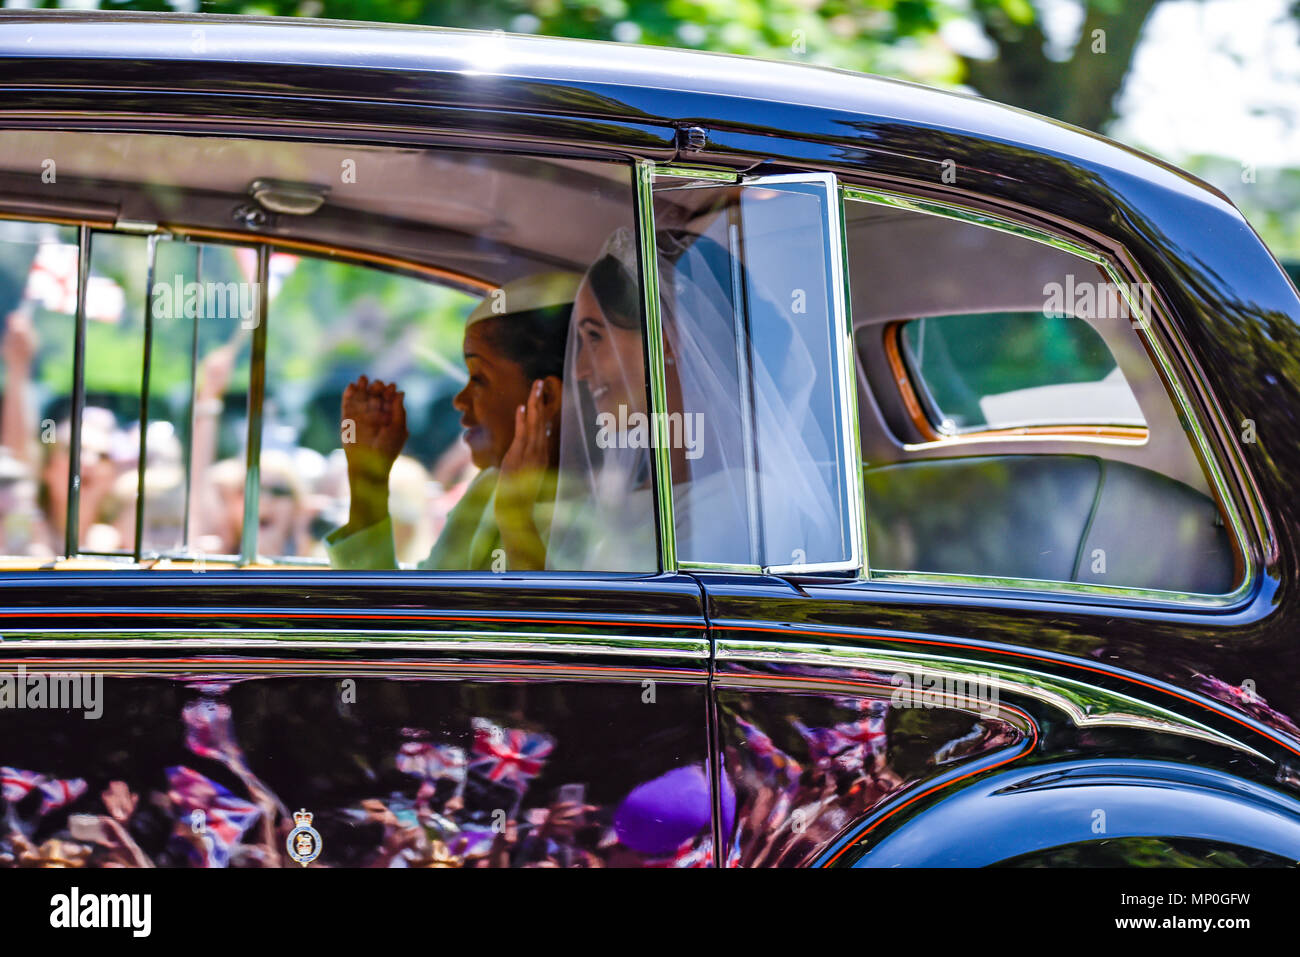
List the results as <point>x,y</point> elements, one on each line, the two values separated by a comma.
<point>616,291</point>
<point>534,339</point>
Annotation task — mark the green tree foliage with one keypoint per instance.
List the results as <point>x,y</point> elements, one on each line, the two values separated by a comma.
<point>1077,80</point>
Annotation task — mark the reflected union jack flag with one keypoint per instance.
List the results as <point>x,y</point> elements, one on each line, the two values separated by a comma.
<point>55,792</point>
<point>225,817</point>
<point>508,755</point>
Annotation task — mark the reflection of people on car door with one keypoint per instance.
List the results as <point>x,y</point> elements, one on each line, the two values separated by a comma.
<point>514,353</point>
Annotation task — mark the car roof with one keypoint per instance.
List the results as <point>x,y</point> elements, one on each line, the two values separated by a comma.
<point>702,86</point>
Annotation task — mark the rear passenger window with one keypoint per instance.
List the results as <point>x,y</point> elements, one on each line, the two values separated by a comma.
<point>1006,370</point>
<point>1013,422</point>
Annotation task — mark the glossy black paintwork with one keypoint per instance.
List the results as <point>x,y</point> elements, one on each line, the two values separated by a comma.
<point>1232,317</point>
<point>662,600</point>
<point>1152,655</point>
<point>1079,804</point>
<point>806,768</point>
<point>313,742</point>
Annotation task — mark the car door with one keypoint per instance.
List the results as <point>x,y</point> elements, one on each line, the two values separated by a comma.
<point>416,722</point>
<point>917,711</point>
<point>188,682</point>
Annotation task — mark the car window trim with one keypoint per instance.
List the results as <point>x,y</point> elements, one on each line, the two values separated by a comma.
<point>656,376</point>
<point>911,395</point>
<point>72,510</point>
<point>849,441</point>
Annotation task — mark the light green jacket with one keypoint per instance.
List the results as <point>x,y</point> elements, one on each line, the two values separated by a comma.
<point>466,543</point>
<point>469,541</point>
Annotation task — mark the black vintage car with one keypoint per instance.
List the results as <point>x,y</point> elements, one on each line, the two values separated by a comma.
<point>436,448</point>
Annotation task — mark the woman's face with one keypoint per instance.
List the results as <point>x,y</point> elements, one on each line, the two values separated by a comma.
<point>496,387</point>
<point>610,360</point>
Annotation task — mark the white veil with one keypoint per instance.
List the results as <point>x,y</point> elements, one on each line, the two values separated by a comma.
<point>759,502</point>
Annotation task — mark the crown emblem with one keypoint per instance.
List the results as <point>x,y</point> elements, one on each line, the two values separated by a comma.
<point>303,842</point>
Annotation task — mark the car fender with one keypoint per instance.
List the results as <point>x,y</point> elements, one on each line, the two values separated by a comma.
<point>1024,810</point>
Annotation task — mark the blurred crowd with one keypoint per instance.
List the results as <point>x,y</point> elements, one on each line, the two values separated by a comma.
<point>303,493</point>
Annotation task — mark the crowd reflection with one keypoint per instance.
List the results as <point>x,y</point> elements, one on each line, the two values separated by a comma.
<point>792,802</point>
<point>478,805</point>
<point>474,807</point>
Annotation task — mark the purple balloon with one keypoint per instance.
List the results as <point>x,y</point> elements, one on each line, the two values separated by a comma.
<point>659,816</point>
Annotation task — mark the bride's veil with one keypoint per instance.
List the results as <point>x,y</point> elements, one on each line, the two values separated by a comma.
<point>748,476</point>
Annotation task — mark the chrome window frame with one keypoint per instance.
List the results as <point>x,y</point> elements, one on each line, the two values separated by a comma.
<point>136,555</point>
<point>656,380</point>
<point>1146,327</point>
<point>849,441</point>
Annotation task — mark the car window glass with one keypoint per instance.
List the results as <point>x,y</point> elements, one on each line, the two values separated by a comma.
<point>1011,369</point>
<point>38,286</point>
<point>330,323</point>
<point>203,316</point>
<point>751,333</point>
<point>439,285</point>
<point>1014,425</point>
<point>110,436</point>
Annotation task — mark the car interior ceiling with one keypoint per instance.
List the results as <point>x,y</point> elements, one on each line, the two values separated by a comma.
<point>491,217</point>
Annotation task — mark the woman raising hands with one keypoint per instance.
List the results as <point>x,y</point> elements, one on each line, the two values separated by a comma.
<point>514,350</point>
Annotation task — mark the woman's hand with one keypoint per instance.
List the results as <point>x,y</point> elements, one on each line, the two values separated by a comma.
<point>216,371</point>
<point>523,469</point>
<point>373,430</point>
<point>526,461</point>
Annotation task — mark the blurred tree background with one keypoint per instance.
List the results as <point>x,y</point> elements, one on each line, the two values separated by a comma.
<point>1013,51</point>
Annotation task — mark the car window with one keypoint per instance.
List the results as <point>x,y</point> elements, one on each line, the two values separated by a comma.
<point>1001,370</point>
<point>38,273</point>
<point>329,324</point>
<point>322,355</point>
<point>199,381</point>
<point>1014,425</point>
<point>752,332</point>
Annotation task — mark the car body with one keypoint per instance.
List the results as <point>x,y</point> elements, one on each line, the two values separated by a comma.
<point>921,714</point>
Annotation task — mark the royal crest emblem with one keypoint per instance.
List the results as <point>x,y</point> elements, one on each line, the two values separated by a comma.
<point>304,842</point>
